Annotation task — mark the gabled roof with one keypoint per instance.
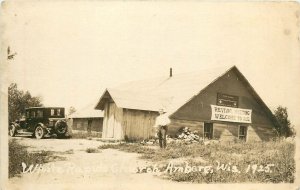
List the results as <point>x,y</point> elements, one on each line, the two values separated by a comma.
<point>169,93</point>
<point>87,112</point>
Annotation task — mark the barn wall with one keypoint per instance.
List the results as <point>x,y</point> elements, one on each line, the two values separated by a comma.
<point>225,132</point>
<point>138,124</point>
<point>105,119</point>
<point>82,124</point>
<point>260,132</point>
<point>177,125</point>
<point>112,123</point>
<point>199,109</point>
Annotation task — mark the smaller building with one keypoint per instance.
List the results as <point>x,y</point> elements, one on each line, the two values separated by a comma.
<point>88,119</point>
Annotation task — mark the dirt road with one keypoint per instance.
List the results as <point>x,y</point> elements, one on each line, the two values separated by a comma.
<point>108,168</point>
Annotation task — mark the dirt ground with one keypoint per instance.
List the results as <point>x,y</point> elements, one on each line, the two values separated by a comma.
<point>108,168</point>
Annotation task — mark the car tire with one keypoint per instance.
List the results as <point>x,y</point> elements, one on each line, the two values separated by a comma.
<point>12,130</point>
<point>61,136</point>
<point>39,132</point>
<point>61,128</point>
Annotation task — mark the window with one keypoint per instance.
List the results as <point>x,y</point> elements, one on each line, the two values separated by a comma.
<point>52,112</point>
<point>58,112</point>
<point>208,130</point>
<point>33,114</point>
<point>40,113</point>
<point>27,114</point>
<point>243,132</point>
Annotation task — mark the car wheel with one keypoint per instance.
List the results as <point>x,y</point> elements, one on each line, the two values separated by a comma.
<point>39,132</point>
<point>61,128</point>
<point>61,136</point>
<point>12,130</point>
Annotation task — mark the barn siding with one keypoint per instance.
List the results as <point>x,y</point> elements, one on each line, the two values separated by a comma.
<point>104,132</point>
<point>260,133</point>
<point>112,124</point>
<point>82,124</point>
<point>177,124</point>
<point>199,108</point>
<point>225,132</point>
<point>138,124</point>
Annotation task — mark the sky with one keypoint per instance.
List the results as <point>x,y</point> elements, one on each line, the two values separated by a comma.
<point>68,52</point>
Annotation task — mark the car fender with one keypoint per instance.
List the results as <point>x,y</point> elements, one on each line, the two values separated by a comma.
<point>42,125</point>
<point>17,126</point>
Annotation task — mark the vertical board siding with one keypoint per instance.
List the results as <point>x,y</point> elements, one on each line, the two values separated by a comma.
<point>112,123</point>
<point>104,133</point>
<point>138,124</point>
<point>110,120</point>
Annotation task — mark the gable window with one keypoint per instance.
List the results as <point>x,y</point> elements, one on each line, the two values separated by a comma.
<point>208,130</point>
<point>243,132</point>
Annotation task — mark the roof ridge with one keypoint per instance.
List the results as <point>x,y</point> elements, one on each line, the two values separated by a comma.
<point>166,78</point>
<point>177,89</point>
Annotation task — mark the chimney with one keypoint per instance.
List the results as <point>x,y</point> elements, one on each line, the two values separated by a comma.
<point>171,72</point>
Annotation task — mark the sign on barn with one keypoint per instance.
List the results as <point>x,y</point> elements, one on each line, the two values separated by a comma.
<point>222,113</point>
<point>227,100</point>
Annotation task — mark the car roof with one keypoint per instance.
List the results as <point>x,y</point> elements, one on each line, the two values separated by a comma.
<point>44,108</point>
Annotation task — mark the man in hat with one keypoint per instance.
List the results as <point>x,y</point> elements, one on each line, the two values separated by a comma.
<point>161,125</point>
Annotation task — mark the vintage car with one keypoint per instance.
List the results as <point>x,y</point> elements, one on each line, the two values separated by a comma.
<point>41,122</point>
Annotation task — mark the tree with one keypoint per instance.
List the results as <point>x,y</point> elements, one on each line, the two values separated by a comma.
<point>71,110</point>
<point>18,100</point>
<point>284,129</point>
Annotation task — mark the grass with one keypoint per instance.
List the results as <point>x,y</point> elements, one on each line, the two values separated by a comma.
<point>18,154</point>
<point>281,154</point>
<point>92,150</point>
<point>70,151</point>
<point>240,154</point>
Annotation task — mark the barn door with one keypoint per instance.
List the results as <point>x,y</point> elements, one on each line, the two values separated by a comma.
<point>111,120</point>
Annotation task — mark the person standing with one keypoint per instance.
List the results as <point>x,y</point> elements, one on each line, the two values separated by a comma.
<point>161,125</point>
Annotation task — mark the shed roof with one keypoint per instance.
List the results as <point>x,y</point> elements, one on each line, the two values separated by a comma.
<point>87,112</point>
<point>169,93</point>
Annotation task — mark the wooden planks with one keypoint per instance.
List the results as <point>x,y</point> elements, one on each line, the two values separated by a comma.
<point>138,124</point>
<point>177,124</point>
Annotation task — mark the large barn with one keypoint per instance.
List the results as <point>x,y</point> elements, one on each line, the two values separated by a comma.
<point>218,103</point>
